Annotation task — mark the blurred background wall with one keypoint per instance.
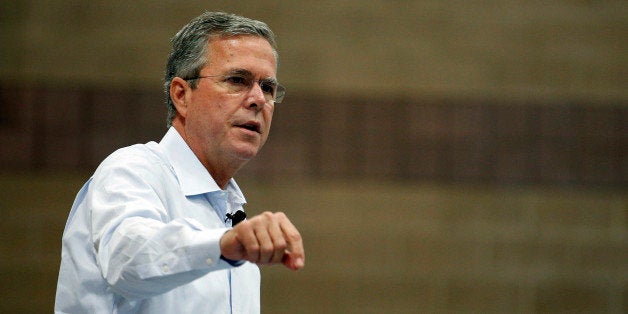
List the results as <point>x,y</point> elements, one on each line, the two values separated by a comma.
<point>438,156</point>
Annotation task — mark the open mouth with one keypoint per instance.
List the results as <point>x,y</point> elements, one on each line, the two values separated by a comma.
<point>251,126</point>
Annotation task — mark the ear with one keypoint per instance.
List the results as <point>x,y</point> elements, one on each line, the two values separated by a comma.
<point>179,94</point>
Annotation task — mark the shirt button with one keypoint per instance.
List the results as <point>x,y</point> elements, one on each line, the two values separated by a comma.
<point>209,261</point>
<point>165,268</point>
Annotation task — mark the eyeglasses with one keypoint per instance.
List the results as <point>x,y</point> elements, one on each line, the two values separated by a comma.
<point>242,83</point>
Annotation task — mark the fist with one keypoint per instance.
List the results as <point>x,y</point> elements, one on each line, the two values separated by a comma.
<point>268,238</point>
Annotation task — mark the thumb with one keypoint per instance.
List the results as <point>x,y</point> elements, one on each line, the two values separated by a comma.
<point>230,246</point>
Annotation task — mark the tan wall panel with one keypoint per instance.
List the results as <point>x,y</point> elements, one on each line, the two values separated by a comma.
<point>505,49</point>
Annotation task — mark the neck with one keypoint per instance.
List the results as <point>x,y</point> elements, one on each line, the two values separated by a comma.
<point>221,168</point>
<point>220,174</point>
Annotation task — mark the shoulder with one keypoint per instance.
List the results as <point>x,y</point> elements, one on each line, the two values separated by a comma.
<point>137,160</point>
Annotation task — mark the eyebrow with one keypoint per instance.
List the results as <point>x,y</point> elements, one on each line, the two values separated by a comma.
<point>247,73</point>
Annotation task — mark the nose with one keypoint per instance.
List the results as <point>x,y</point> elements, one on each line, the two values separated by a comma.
<point>255,98</point>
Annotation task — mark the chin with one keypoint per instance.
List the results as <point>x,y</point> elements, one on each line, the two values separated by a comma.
<point>246,153</point>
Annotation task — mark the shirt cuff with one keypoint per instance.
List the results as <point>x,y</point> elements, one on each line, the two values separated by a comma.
<point>232,262</point>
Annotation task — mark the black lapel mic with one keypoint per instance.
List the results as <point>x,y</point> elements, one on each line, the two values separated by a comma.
<point>236,217</point>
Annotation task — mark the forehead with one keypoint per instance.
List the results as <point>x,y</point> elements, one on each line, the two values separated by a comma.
<point>252,53</point>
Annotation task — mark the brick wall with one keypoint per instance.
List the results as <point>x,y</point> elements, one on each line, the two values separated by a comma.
<point>380,246</point>
<point>496,48</point>
<point>438,156</point>
<point>447,140</point>
<point>383,247</point>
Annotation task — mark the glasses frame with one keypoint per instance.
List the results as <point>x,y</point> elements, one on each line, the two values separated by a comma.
<point>280,90</point>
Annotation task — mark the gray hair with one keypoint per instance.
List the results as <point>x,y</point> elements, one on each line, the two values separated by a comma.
<point>190,45</point>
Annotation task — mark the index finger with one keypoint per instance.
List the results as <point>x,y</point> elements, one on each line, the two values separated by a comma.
<point>294,257</point>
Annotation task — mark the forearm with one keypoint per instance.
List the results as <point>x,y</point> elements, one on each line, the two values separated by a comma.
<point>142,257</point>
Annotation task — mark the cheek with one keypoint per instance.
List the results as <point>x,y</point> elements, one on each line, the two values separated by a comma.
<point>203,121</point>
<point>268,115</point>
<point>267,122</point>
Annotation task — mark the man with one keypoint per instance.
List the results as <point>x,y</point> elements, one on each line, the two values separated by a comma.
<point>151,231</point>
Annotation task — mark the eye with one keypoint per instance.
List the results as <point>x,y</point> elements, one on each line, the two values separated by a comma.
<point>237,80</point>
<point>268,87</point>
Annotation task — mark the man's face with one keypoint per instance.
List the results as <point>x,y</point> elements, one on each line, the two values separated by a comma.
<point>225,128</point>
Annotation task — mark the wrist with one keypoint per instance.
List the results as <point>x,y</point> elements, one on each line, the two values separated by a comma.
<point>231,262</point>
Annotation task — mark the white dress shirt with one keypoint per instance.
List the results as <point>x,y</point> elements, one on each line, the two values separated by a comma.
<point>143,237</point>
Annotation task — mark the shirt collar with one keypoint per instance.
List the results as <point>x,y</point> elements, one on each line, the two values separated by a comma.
<point>193,178</point>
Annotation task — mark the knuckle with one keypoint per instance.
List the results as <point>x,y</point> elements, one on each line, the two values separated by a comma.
<point>267,248</point>
<point>243,225</point>
<point>253,249</point>
<point>280,245</point>
<point>294,237</point>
